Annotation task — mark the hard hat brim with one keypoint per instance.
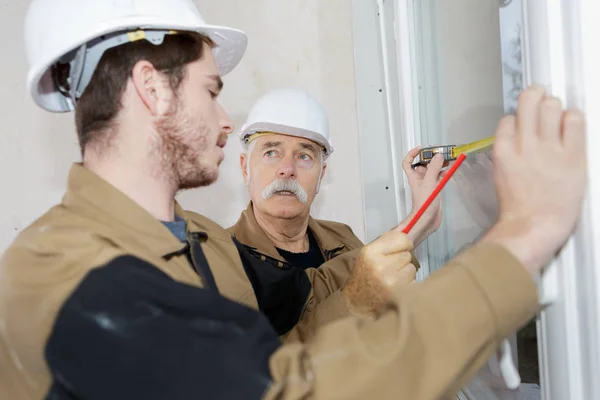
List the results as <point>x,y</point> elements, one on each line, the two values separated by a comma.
<point>288,131</point>
<point>230,47</point>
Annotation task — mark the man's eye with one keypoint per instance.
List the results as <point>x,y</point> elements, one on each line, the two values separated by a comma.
<point>305,157</point>
<point>271,153</point>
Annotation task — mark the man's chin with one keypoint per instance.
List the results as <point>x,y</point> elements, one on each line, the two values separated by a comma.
<point>285,211</point>
<point>205,178</point>
<point>284,215</point>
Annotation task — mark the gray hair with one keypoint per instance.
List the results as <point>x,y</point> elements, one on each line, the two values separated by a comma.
<point>248,151</point>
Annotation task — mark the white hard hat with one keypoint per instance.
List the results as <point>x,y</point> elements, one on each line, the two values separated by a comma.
<point>79,31</point>
<point>290,112</point>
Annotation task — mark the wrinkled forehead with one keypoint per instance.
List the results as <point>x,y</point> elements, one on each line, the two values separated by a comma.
<point>274,140</point>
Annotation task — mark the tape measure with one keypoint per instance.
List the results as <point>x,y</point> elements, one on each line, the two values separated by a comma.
<point>451,151</point>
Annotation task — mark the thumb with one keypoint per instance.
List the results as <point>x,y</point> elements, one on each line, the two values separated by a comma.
<point>435,167</point>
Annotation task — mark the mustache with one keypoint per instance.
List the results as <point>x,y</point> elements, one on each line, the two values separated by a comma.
<point>285,185</point>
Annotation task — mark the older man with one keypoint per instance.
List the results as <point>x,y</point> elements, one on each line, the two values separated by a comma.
<point>287,143</point>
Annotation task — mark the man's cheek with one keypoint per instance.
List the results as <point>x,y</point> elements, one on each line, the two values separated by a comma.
<point>255,190</point>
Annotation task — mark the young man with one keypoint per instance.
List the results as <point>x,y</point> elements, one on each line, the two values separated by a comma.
<point>286,142</point>
<point>104,297</point>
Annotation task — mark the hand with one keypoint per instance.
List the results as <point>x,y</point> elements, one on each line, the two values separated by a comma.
<point>422,181</point>
<point>540,175</point>
<point>382,265</point>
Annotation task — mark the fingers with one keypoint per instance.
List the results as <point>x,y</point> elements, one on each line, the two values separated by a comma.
<point>442,175</point>
<point>407,275</point>
<point>403,276</point>
<point>408,160</point>
<point>573,131</point>
<point>399,276</point>
<point>435,167</point>
<point>396,261</point>
<point>421,170</point>
<point>528,113</point>
<point>550,117</point>
<point>390,242</point>
<point>505,142</point>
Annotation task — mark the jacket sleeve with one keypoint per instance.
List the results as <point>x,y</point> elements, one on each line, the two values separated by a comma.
<point>325,303</point>
<point>430,341</point>
<point>129,331</point>
<point>295,301</point>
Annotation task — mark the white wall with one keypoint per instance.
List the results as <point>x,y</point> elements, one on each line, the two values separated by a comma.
<point>304,43</point>
<point>36,148</point>
<point>470,68</point>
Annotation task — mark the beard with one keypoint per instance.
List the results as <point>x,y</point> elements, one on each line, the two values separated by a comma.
<point>183,139</point>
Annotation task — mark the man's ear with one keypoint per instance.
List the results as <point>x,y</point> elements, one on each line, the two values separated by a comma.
<point>244,159</point>
<point>152,87</point>
<point>323,170</point>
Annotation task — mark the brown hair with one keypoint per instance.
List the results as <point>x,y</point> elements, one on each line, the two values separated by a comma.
<point>101,100</point>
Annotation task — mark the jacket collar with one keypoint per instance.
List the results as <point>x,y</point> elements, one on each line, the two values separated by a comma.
<point>248,232</point>
<point>89,194</point>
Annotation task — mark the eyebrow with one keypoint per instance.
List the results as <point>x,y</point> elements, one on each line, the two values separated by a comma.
<point>266,145</point>
<point>217,81</point>
<point>308,146</point>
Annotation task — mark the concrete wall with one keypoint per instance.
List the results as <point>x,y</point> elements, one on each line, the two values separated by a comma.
<point>303,43</point>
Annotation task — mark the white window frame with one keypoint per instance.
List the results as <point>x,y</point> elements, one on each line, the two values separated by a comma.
<point>386,112</point>
<point>560,52</point>
<point>382,202</point>
<point>589,234</point>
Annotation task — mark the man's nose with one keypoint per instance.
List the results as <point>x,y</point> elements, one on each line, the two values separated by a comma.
<point>225,123</point>
<point>287,169</point>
